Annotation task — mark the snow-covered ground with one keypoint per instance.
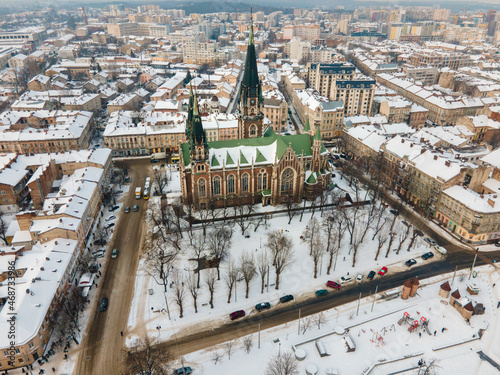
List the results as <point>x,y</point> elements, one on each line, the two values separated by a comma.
<point>378,338</point>
<point>149,309</point>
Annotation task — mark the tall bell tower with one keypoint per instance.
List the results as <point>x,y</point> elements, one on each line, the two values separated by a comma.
<point>250,121</point>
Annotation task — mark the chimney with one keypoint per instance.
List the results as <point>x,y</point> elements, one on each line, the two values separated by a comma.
<point>435,157</point>
<point>402,140</point>
<point>491,202</point>
<point>411,144</point>
<point>447,163</point>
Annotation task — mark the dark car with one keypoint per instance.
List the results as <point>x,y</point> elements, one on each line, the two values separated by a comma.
<point>333,284</point>
<point>114,208</point>
<point>410,262</point>
<point>100,242</point>
<point>428,255</point>
<point>394,212</point>
<point>321,292</point>
<point>237,314</point>
<point>111,225</point>
<point>104,304</point>
<point>262,306</point>
<point>135,208</point>
<point>497,244</point>
<point>183,371</point>
<point>371,275</point>
<point>286,298</point>
<point>127,209</point>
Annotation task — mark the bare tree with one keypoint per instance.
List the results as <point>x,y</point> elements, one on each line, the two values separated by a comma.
<point>147,358</point>
<point>351,218</point>
<point>263,268</point>
<point>319,319</point>
<point>358,236</point>
<point>198,250</point>
<point>216,356</point>
<point>281,249</point>
<point>241,216</point>
<point>381,240</point>
<point>403,235</point>
<point>317,252</point>
<point>228,346</point>
<point>69,313</point>
<point>392,236</point>
<point>306,323</point>
<point>329,229</point>
<point>193,289</point>
<point>310,232</point>
<point>247,269</point>
<point>247,343</point>
<point>230,277</point>
<point>381,219</point>
<point>210,279</point>
<point>3,230</point>
<point>219,242</point>
<point>283,364</point>
<point>413,238</point>
<point>161,177</point>
<point>428,368</point>
<point>179,292</point>
<point>291,208</point>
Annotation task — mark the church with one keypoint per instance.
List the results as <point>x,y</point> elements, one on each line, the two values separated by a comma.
<point>258,167</point>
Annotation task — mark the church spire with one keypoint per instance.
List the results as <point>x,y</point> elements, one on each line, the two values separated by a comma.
<point>198,133</point>
<point>189,120</point>
<point>251,74</point>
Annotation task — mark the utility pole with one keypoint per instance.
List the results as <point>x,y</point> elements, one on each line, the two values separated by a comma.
<point>268,278</point>
<point>473,263</point>
<point>259,335</point>
<point>359,301</point>
<point>298,329</point>
<point>454,273</point>
<point>374,296</point>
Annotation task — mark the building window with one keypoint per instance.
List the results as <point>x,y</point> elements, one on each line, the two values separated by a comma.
<point>262,181</point>
<point>216,185</point>
<point>201,188</point>
<point>244,182</point>
<point>287,181</point>
<point>253,130</point>
<point>230,184</point>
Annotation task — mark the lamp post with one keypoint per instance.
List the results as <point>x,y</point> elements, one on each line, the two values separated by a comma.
<point>473,263</point>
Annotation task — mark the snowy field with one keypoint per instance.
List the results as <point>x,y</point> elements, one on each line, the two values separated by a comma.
<point>378,338</point>
<point>149,310</point>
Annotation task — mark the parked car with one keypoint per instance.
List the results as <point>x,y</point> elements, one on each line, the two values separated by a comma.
<point>429,241</point>
<point>114,208</point>
<point>104,304</point>
<point>114,253</point>
<point>410,262</point>
<point>262,306</point>
<point>237,314</point>
<point>100,242</point>
<point>394,212</point>
<point>112,217</point>
<point>333,284</point>
<point>135,208</point>
<point>345,279</point>
<point>497,244</point>
<point>428,255</point>
<point>382,271</point>
<point>127,209</point>
<point>371,275</point>
<point>110,225</point>
<point>440,249</point>
<point>286,298</point>
<point>183,371</point>
<point>321,292</point>
<point>359,278</point>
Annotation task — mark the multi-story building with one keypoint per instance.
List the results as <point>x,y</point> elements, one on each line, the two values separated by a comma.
<point>396,110</point>
<point>427,75</point>
<point>306,32</point>
<point>441,14</point>
<point>440,59</point>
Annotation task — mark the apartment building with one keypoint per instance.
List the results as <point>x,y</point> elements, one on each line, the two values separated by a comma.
<point>306,32</point>
<point>440,59</point>
<point>396,110</point>
<point>427,75</point>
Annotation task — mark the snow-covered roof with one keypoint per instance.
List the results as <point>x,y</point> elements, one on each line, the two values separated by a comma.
<point>484,203</point>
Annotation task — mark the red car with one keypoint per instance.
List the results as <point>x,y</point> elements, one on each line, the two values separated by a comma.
<point>383,271</point>
<point>333,284</point>
<point>237,314</point>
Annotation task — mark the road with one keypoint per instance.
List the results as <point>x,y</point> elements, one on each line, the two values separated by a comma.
<point>233,104</point>
<point>289,312</point>
<point>101,349</point>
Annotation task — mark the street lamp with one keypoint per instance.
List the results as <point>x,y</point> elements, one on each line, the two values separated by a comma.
<point>158,328</point>
<point>473,263</point>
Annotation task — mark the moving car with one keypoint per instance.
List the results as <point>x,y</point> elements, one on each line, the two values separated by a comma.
<point>410,262</point>
<point>333,284</point>
<point>135,208</point>
<point>428,255</point>
<point>440,249</point>
<point>321,292</point>
<point>382,271</point>
<point>262,306</point>
<point>371,275</point>
<point>127,209</point>
<point>286,298</point>
<point>359,278</point>
<point>114,253</point>
<point>345,279</point>
<point>104,304</point>
<point>237,314</point>
<point>430,242</point>
<point>183,371</point>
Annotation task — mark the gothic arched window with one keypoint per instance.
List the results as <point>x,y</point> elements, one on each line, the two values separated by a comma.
<point>202,191</point>
<point>253,130</point>
<point>244,182</point>
<point>216,185</point>
<point>262,181</point>
<point>287,181</point>
<point>230,184</point>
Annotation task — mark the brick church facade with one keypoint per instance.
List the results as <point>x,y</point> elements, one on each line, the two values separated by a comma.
<point>260,166</point>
